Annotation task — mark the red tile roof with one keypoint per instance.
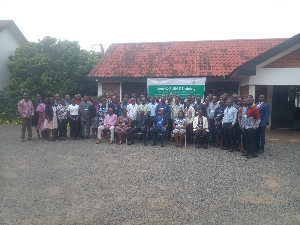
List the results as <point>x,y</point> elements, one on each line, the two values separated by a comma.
<point>179,59</point>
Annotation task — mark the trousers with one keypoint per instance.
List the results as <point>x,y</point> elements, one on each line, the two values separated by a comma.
<point>26,124</point>
<point>111,129</point>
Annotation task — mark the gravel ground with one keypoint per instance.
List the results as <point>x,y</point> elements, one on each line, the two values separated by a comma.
<point>79,182</point>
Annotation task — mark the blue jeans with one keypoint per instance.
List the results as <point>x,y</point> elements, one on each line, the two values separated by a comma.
<point>260,138</point>
<point>155,130</point>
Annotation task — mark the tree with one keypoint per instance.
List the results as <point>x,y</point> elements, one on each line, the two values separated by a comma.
<point>51,66</point>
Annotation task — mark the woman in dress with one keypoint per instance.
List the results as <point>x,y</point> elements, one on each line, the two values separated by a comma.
<point>51,119</point>
<point>41,112</point>
<point>200,125</point>
<point>180,128</point>
<point>123,126</point>
<point>35,118</point>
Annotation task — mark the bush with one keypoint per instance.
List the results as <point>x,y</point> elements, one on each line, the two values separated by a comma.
<point>8,112</point>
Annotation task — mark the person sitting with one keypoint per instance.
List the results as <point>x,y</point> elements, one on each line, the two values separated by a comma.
<point>139,125</point>
<point>180,128</point>
<point>123,126</point>
<point>200,126</point>
<point>109,124</point>
<point>160,123</point>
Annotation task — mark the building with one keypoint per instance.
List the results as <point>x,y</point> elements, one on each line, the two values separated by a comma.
<point>246,67</point>
<point>11,38</point>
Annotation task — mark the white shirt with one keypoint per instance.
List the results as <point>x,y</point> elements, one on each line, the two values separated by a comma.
<point>131,111</point>
<point>73,109</point>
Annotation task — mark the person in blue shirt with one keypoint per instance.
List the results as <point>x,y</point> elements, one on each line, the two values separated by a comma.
<point>160,124</point>
<point>165,106</point>
<point>229,119</point>
<point>264,112</point>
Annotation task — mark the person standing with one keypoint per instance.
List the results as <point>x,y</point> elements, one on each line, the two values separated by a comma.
<point>51,119</point>
<point>62,116</point>
<point>250,122</point>
<point>212,106</point>
<point>85,118</point>
<point>67,100</point>
<point>189,113</point>
<point>144,106</point>
<point>264,112</point>
<point>229,119</point>
<point>165,106</point>
<point>73,114</point>
<point>35,118</point>
<point>152,113</point>
<point>219,114</point>
<point>94,110</point>
<point>26,111</point>
<point>132,110</point>
<point>114,105</point>
<point>42,116</point>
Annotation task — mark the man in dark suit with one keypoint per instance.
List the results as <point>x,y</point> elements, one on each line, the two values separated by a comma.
<point>114,105</point>
<point>264,112</point>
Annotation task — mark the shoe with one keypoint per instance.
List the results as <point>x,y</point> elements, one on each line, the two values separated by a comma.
<point>245,154</point>
<point>78,138</point>
<point>250,156</point>
<point>224,148</point>
<point>31,139</point>
<point>130,143</point>
<point>231,150</point>
<point>260,152</point>
<point>72,138</point>
<point>98,142</point>
<point>22,140</point>
<point>162,145</point>
<point>205,146</point>
<point>153,143</point>
<point>111,142</point>
<point>64,138</point>
<point>197,146</point>
<point>145,144</point>
<point>87,137</point>
<point>60,138</point>
<point>82,137</point>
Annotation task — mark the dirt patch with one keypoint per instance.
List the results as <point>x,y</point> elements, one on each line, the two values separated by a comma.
<point>262,199</point>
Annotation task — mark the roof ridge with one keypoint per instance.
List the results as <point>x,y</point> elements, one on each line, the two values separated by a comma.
<point>227,40</point>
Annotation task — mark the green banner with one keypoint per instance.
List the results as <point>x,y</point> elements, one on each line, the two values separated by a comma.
<point>182,90</point>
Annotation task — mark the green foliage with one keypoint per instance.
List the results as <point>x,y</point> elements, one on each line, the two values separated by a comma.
<point>8,112</point>
<point>51,66</point>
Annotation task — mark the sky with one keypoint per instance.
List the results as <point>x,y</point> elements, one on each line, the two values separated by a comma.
<point>94,22</point>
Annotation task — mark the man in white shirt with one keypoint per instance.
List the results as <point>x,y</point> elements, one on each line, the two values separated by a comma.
<point>132,110</point>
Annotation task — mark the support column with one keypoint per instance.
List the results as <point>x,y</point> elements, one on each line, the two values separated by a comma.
<point>99,88</point>
<point>252,90</point>
<point>121,97</point>
<point>269,100</point>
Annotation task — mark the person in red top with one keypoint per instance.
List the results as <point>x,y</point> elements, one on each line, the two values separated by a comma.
<point>250,122</point>
<point>26,112</point>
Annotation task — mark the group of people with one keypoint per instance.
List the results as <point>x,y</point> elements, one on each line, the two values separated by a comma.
<point>230,123</point>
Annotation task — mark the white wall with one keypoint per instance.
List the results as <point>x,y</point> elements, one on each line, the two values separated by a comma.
<point>274,76</point>
<point>8,44</point>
